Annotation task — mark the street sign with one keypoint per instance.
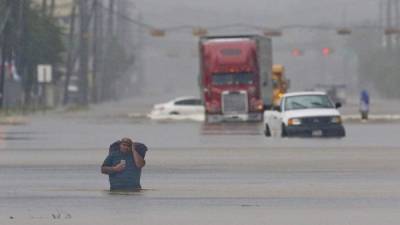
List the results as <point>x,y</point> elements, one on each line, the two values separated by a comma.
<point>199,31</point>
<point>157,33</point>
<point>297,52</point>
<point>44,73</point>
<point>343,31</point>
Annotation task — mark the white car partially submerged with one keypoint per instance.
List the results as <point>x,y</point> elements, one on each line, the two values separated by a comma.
<point>305,114</point>
<point>181,108</point>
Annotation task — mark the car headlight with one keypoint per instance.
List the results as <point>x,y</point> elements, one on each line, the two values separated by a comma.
<point>336,119</point>
<point>294,121</point>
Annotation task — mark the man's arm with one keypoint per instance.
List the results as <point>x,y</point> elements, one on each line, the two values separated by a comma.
<point>107,167</point>
<point>107,170</point>
<point>113,169</point>
<point>138,159</point>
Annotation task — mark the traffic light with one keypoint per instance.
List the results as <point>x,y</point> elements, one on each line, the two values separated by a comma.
<point>199,31</point>
<point>326,51</point>
<point>297,52</point>
<point>157,33</point>
<point>272,33</point>
<point>390,31</point>
<point>343,31</point>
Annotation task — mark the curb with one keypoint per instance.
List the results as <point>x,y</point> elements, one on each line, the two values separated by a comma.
<point>13,120</point>
<point>375,118</point>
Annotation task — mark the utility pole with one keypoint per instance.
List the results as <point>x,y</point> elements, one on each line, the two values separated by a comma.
<point>125,37</point>
<point>70,58</point>
<point>20,32</point>
<point>20,57</point>
<point>52,7</point>
<point>5,49</point>
<point>381,19</point>
<point>84,52</point>
<point>140,80</point>
<point>110,23</point>
<point>107,90</point>
<point>97,49</point>
<point>44,7</point>
<point>396,21</point>
<point>100,52</point>
<point>389,24</point>
<point>4,46</point>
<point>121,26</point>
<point>3,64</point>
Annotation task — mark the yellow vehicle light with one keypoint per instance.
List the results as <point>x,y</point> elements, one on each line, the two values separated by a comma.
<point>294,121</point>
<point>278,68</point>
<point>336,119</point>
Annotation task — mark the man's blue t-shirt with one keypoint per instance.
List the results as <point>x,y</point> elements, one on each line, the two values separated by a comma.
<point>129,178</point>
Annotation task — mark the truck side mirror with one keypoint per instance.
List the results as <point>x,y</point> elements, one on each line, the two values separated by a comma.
<point>338,105</point>
<point>276,108</point>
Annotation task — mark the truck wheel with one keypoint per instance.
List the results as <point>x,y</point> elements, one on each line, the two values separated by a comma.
<point>267,131</point>
<point>283,132</point>
<point>342,134</point>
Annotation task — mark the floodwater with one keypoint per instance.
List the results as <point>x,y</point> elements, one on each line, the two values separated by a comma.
<point>197,174</point>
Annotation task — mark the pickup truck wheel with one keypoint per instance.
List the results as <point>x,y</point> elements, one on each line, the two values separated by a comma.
<point>267,131</point>
<point>283,132</point>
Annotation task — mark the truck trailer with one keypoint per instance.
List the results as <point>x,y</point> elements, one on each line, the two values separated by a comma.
<point>235,77</point>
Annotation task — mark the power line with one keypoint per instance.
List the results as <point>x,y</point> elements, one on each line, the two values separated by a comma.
<point>129,19</point>
<point>240,25</point>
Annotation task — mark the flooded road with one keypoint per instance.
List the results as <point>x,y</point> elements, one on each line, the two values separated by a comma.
<point>197,174</point>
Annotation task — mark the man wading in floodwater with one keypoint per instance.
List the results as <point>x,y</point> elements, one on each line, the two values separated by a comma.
<point>124,165</point>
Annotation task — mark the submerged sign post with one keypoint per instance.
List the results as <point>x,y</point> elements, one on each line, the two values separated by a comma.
<point>44,76</point>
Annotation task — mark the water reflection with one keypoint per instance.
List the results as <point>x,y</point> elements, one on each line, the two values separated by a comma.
<point>12,135</point>
<point>135,192</point>
<point>231,128</point>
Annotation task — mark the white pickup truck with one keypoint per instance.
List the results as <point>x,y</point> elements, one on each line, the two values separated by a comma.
<point>304,114</point>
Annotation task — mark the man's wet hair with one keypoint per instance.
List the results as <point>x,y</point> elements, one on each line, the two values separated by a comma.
<point>127,141</point>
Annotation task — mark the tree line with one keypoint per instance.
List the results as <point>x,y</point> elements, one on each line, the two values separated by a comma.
<point>88,48</point>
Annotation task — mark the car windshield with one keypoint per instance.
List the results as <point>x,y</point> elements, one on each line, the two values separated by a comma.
<point>232,78</point>
<point>307,102</point>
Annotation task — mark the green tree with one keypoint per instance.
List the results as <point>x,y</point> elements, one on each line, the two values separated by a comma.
<point>117,64</point>
<point>42,43</point>
<point>378,66</point>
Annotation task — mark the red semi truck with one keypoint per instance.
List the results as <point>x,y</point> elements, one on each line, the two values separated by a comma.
<point>235,77</point>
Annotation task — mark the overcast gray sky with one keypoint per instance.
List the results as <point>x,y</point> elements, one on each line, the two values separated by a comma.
<point>166,13</point>
<point>171,63</point>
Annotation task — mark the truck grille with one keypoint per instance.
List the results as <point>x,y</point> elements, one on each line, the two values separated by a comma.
<point>234,102</point>
<point>316,120</point>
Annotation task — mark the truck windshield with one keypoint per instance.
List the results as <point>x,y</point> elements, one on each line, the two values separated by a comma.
<point>307,102</point>
<point>232,78</point>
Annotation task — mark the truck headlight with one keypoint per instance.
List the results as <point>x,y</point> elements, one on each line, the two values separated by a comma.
<point>294,121</point>
<point>336,119</point>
